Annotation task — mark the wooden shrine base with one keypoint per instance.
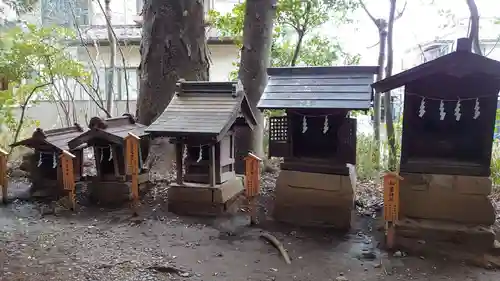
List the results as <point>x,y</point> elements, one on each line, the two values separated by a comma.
<point>311,199</point>
<point>427,236</point>
<point>203,200</point>
<point>453,198</point>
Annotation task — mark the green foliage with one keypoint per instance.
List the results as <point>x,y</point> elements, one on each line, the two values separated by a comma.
<point>33,60</point>
<point>366,166</point>
<point>294,19</point>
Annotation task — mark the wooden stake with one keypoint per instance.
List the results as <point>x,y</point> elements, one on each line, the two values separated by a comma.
<point>132,157</point>
<point>252,184</point>
<point>4,181</point>
<point>68,176</point>
<point>391,206</point>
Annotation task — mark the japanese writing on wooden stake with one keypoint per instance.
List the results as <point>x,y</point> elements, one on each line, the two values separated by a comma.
<point>132,152</point>
<point>391,197</point>
<point>68,176</point>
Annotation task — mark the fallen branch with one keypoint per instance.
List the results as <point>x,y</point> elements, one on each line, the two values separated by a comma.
<point>277,244</point>
<point>169,269</point>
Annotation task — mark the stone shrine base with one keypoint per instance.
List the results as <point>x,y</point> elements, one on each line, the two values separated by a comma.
<point>203,200</point>
<point>115,192</point>
<point>426,235</point>
<point>445,212</point>
<point>311,199</point>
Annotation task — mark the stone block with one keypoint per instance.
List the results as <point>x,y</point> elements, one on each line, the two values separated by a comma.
<point>201,199</point>
<point>460,199</point>
<point>426,235</point>
<point>311,199</point>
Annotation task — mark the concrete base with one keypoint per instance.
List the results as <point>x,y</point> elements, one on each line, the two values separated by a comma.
<point>458,199</point>
<point>203,200</point>
<point>421,236</point>
<point>310,199</point>
<point>446,212</point>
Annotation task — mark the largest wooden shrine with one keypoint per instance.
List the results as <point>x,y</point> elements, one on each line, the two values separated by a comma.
<point>450,107</point>
<point>317,139</point>
<point>200,120</point>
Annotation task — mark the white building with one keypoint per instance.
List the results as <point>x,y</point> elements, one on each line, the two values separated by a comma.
<point>92,47</point>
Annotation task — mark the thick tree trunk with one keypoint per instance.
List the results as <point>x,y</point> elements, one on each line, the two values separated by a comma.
<point>387,97</point>
<point>173,46</point>
<point>255,52</point>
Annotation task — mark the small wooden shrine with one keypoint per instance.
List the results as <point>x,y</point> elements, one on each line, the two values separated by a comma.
<point>200,120</point>
<point>317,139</point>
<point>107,138</point>
<point>449,115</point>
<point>44,166</point>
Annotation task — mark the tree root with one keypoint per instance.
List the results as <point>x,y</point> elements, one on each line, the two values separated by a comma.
<point>277,244</point>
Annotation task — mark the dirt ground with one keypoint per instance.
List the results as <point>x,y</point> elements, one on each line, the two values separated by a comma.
<point>98,244</point>
<point>41,241</point>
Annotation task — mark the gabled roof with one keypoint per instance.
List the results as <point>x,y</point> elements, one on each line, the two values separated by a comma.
<point>53,140</point>
<point>113,130</point>
<point>459,64</point>
<point>346,87</point>
<point>206,109</point>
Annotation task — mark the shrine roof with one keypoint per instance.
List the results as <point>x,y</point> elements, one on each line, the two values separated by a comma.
<point>113,130</point>
<point>455,65</point>
<point>342,87</point>
<point>206,109</point>
<point>54,139</point>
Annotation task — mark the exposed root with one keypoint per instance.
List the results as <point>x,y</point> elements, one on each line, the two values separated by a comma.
<point>277,244</point>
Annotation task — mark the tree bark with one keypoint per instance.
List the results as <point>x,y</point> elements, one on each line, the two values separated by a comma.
<point>173,46</point>
<point>111,73</point>
<point>255,52</point>
<point>387,97</point>
<point>474,26</point>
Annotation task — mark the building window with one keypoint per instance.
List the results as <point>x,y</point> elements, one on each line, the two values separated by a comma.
<point>67,13</point>
<point>120,84</point>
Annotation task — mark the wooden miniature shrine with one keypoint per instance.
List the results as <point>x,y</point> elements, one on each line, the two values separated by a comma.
<point>450,106</point>
<point>317,140</point>
<point>200,120</point>
<point>44,165</point>
<point>107,137</point>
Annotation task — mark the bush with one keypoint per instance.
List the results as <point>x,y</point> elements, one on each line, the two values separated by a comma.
<point>495,163</point>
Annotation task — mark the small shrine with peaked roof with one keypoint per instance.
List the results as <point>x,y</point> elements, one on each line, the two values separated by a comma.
<point>107,139</point>
<point>200,120</point>
<point>450,106</point>
<point>317,139</point>
<point>43,165</point>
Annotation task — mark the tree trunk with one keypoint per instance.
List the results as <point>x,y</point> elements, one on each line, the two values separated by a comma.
<point>111,73</point>
<point>173,46</point>
<point>474,27</point>
<point>382,32</point>
<point>297,48</point>
<point>387,97</point>
<point>255,52</point>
